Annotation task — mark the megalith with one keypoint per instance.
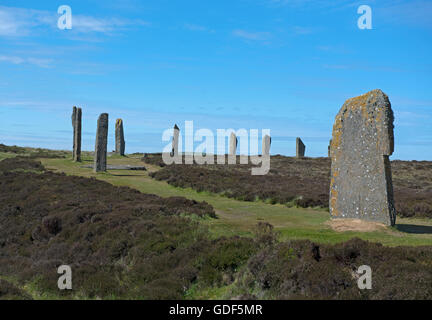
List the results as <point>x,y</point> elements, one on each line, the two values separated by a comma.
<point>300,148</point>
<point>233,144</point>
<point>74,112</point>
<point>100,157</point>
<point>362,141</point>
<point>175,141</point>
<point>119,138</point>
<point>266,142</point>
<point>77,135</point>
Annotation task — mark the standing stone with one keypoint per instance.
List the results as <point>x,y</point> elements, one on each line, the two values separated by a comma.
<point>100,157</point>
<point>74,112</point>
<point>329,148</point>
<point>361,182</point>
<point>266,142</point>
<point>175,141</point>
<point>77,135</point>
<point>300,148</point>
<point>119,138</point>
<point>233,144</point>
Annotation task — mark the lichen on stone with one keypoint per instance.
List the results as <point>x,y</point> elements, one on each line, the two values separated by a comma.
<point>362,141</point>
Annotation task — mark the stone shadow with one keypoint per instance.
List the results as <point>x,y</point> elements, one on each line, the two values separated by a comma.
<point>414,228</point>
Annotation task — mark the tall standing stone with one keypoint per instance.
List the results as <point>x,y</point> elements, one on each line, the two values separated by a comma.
<point>233,144</point>
<point>300,148</point>
<point>175,141</point>
<point>74,112</point>
<point>361,182</point>
<point>266,142</point>
<point>77,135</point>
<point>100,157</point>
<point>119,138</point>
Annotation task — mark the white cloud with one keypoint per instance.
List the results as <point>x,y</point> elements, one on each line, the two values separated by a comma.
<point>105,25</point>
<point>302,30</point>
<point>43,63</point>
<point>12,59</point>
<point>255,36</point>
<point>416,13</point>
<point>195,27</point>
<point>17,22</point>
<point>313,3</point>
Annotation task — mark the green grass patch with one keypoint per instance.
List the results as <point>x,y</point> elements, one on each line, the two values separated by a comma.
<point>239,217</point>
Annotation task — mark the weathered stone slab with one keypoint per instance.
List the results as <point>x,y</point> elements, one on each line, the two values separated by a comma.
<point>74,112</point>
<point>266,143</point>
<point>119,138</point>
<point>77,135</point>
<point>100,156</point>
<point>120,167</point>
<point>175,141</point>
<point>300,148</point>
<point>361,182</point>
<point>233,144</point>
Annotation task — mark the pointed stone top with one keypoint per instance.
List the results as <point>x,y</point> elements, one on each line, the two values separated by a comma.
<point>118,122</point>
<point>175,127</point>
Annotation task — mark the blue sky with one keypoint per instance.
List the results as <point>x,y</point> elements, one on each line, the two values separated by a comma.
<point>283,65</point>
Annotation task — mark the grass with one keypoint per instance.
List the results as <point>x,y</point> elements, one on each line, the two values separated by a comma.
<point>5,155</point>
<point>240,217</point>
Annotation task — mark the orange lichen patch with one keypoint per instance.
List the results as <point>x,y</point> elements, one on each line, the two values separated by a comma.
<point>379,115</point>
<point>337,132</point>
<point>343,225</point>
<point>362,100</point>
<point>365,113</point>
<point>333,200</point>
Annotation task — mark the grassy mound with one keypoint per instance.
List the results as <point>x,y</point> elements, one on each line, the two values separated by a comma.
<point>33,152</point>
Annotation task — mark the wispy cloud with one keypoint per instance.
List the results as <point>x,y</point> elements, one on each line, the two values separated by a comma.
<point>39,62</point>
<point>362,67</point>
<point>303,30</point>
<point>255,36</point>
<point>196,27</point>
<point>105,25</point>
<point>18,22</point>
<point>314,3</point>
<point>416,13</point>
<point>334,49</point>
